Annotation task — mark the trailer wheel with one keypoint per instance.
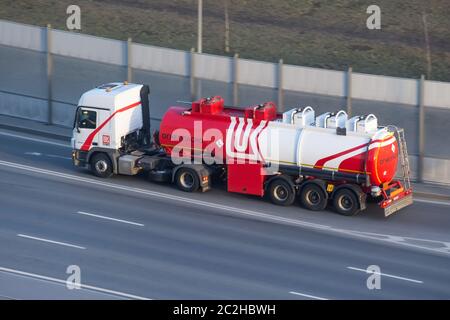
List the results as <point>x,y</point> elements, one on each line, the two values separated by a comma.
<point>345,202</point>
<point>313,197</point>
<point>101,165</point>
<point>187,180</point>
<point>281,192</point>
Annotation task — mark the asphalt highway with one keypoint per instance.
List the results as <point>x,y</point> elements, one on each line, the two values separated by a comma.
<point>135,239</point>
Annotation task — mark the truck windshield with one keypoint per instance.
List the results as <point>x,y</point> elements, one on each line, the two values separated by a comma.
<point>86,119</point>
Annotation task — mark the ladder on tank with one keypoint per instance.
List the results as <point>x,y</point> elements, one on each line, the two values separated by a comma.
<point>403,153</point>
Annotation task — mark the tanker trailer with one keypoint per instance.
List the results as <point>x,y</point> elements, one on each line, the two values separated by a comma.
<point>320,160</point>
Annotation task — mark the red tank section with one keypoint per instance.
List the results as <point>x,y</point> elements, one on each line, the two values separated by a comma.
<point>179,122</point>
<point>382,161</point>
<point>202,119</point>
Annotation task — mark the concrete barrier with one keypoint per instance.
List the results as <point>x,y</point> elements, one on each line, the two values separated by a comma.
<point>23,107</point>
<point>219,68</point>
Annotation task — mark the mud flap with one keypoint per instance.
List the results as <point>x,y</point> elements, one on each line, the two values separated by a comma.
<point>394,206</point>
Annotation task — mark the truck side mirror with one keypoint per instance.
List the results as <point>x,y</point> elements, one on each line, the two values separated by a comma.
<point>75,124</point>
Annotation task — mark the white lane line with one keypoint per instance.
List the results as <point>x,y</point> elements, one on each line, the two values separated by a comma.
<point>432,201</point>
<point>38,154</point>
<point>35,139</point>
<point>233,210</point>
<point>50,241</point>
<point>386,275</point>
<point>83,286</point>
<point>307,295</point>
<point>109,218</point>
<point>57,156</point>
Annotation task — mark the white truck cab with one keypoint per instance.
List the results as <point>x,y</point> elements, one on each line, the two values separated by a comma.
<point>110,119</point>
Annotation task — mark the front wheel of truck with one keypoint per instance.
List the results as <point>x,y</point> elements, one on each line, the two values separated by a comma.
<point>101,165</point>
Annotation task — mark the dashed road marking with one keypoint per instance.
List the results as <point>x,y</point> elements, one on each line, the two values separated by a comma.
<point>386,275</point>
<point>307,295</point>
<point>50,241</point>
<point>109,218</point>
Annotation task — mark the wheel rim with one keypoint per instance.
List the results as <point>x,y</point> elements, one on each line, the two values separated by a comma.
<point>101,166</point>
<point>280,193</point>
<point>346,202</point>
<point>187,180</point>
<point>313,197</point>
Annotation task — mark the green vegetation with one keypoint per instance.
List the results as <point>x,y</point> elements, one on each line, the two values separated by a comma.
<point>328,34</point>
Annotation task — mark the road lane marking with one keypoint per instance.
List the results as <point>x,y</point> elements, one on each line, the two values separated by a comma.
<point>35,139</point>
<point>50,241</point>
<point>38,154</point>
<point>444,244</point>
<point>57,156</point>
<point>83,286</point>
<point>109,218</point>
<point>234,210</point>
<point>307,295</point>
<point>432,201</point>
<point>386,275</point>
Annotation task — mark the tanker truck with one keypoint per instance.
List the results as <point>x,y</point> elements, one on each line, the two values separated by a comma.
<point>320,160</point>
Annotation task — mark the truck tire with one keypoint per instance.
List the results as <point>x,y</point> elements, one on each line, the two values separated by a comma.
<point>160,175</point>
<point>281,192</point>
<point>101,165</point>
<point>345,202</point>
<point>187,180</point>
<point>313,197</point>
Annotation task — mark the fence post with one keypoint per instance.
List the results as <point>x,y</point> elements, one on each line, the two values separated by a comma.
<point>349,91</point>
<point>129,68</point>
<point>280,86</point>
<point>49,74</point>
<point>192,74</point>
<point>420,166</point>
<point>235,80</point>
<point>200,26</point>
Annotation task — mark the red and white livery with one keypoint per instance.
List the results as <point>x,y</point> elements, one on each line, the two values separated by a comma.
<point>320,159</point>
